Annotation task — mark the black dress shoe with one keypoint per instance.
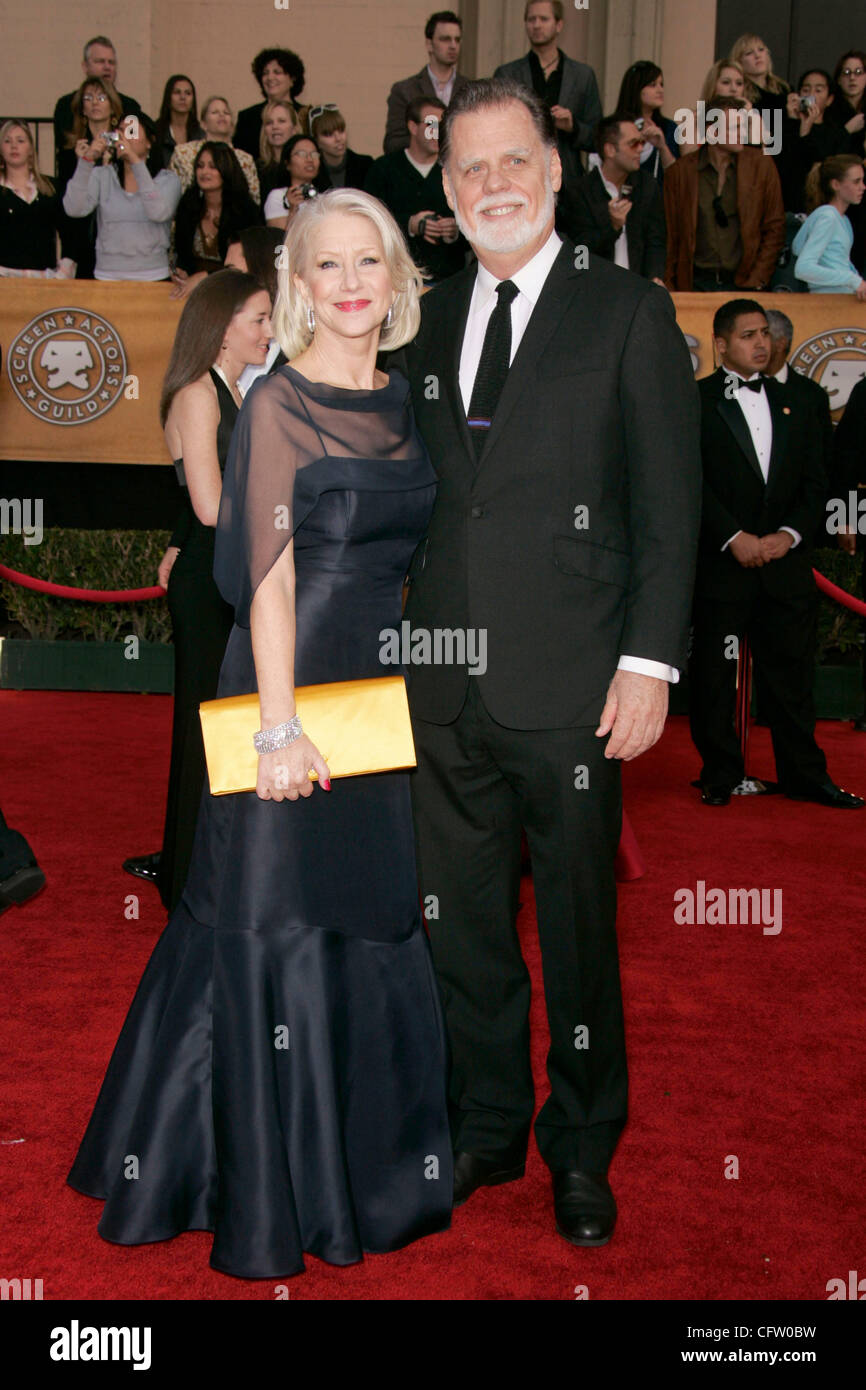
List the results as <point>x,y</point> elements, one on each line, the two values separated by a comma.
<point>21,885</point>
<point>714,795</point>
<point>828,794</point>
<point>471,1172</point>
<point>145,866</point>
<point>584,1206</point>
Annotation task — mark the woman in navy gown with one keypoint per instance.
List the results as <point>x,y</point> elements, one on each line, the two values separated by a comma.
<point>280,1077</point>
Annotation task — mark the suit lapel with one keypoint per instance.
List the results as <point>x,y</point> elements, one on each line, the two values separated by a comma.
<point>736,423</point>
<point>448,340</point>
<point>776,395</point>
<point>568,84</point>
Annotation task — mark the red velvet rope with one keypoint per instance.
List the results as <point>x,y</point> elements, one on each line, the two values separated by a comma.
<point>833,591</point>
<point>45,586</point>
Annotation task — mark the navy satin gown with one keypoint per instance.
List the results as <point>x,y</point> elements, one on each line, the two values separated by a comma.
<point>280,1077</point>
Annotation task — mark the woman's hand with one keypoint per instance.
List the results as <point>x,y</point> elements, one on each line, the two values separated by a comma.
<point>856,123</point>
<point>166,565</point>
<point>792,105</point>
<point>183,284</point>
<point>284,775</point>
<point>653,134</point>
<point>860,291</point>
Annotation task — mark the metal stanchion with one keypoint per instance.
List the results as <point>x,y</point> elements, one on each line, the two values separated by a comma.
<point>750,786</point>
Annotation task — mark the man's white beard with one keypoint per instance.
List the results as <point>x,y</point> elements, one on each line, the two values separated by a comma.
<point>490,237</point>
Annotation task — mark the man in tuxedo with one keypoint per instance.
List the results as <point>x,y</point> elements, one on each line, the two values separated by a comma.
<point>568,88</point>
<point>617,210</point>
<point>561,415</point>
<point>763,496</point>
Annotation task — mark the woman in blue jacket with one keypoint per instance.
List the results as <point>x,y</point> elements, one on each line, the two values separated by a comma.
<point>823,244</point>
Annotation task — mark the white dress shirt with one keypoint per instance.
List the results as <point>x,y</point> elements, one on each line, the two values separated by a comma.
<point>530,281</point>
<point>443,90</point>
<point>756,409</point>
<point>620,246</point>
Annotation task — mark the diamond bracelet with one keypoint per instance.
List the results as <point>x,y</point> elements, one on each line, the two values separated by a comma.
<point>269,740</point>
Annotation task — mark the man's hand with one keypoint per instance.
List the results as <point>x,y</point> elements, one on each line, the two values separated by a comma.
<point>562,118</point>
<point>634,714</point>
<point>847,540</point>
<point>746,550</point>
<point>415,220</point>
<point>775,545</point>
<point>618,210</point>
<point>447,228</point>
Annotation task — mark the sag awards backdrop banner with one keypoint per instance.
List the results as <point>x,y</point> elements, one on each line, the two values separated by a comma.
<point>83,362</point>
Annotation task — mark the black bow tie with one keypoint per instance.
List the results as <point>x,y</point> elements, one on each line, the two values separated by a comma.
<point>756,384</point>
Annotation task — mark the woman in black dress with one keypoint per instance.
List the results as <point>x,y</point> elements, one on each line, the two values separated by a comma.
<point>224,326</point>
<point>280,1077</point>
<point>30,211</point>
<point>217,205</point>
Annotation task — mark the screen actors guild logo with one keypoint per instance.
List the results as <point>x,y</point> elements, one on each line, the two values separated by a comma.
<point>67,366</point>
<point>836,361</point>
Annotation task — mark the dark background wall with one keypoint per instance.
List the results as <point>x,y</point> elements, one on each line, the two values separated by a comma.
<point>797,32</point>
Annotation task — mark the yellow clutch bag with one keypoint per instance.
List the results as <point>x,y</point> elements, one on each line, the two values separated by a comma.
<point>358,726</point>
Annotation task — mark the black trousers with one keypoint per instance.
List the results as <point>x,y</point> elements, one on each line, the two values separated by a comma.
<point>476,785</point>
<point>782,634</point>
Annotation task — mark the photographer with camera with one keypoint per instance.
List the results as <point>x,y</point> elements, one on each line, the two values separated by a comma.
<point>807,137</point>
<point>303,165</point>
<point>132,233</point>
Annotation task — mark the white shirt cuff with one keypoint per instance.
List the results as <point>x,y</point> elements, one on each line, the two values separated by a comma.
<point>792,532</point>
<point>641,667</point>
<point>731,538</point>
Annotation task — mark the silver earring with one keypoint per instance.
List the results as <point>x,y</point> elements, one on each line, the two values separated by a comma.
<point>311,318</point>
<point>389,317</point>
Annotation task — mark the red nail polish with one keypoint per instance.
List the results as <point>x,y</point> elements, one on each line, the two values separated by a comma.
<point>326,783</point>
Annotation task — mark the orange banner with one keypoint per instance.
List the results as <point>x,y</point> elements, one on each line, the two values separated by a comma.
<point>83,361</point>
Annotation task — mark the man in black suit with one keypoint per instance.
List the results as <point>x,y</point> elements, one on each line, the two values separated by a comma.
<point>812,397</point>
<point>763,496</point>
<point>568,88</point>
<point>560,411</point>
<point>848,476</point>
<point>439,79</point>
<point>617,210</point>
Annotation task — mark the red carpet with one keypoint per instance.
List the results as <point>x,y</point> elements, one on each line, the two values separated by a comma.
<point>740,1043</point>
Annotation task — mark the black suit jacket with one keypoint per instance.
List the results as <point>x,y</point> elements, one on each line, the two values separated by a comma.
<point>582,214</point>
<point>399,97</point>
<point>848,472</point>
<point>599,411</point>
<point>579,92</point>
<point>736,498</point>
<point>814,399</point>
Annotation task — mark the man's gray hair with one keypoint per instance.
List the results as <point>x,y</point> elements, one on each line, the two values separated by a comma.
<point>490,92</point>
<point>780,325</point>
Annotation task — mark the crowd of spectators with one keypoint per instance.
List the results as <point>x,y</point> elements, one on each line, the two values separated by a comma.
<point>768,197</point>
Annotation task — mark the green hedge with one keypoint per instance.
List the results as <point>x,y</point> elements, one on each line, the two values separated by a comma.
<point>129,560</point>
<point>840,632</point>
<point>87,560</point>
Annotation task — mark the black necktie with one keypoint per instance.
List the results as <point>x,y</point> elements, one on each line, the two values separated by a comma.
<point>492,366</point>
<point>754,385</point>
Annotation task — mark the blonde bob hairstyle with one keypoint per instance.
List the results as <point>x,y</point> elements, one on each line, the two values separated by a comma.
<point>289,318</point>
